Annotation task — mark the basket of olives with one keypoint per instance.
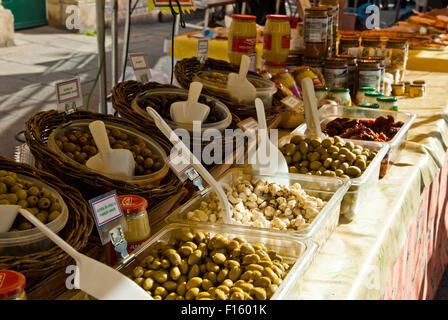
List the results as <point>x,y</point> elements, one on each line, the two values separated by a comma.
<point>61,144</point>
<point>357,160</point>
<point>74,142</point>
<point>56,204</point>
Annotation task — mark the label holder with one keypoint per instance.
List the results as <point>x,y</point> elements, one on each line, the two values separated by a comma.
<point>140,67</point>
<point>69,95</point>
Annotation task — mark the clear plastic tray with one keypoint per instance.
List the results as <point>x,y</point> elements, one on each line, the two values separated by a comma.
<point>83,125</point>
<point>297,252</point>
<point>359,186</point>
<point>330,190</point>
<point>265,94</point>
<point>24,242</point>
<point>330,112</point>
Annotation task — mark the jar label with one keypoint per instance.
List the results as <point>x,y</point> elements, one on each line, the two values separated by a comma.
<point>336,77</point>
<point>244,44</point>
<point>316,30</point>
<point>267,42</point>
<point>370,78</point>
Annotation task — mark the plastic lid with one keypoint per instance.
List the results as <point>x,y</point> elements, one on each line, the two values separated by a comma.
<point>387,99</point>
<point>11,283</point>
<point>369,105</point>
<point>277,17</point>
<point>132,204</point>
<point>244,17</point>
<point>367,89</point>
<point>374,94</point>
<point>320,89</point>
<point>339,90</point>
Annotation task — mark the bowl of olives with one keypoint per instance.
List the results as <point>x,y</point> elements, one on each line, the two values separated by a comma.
<point>160,100</point>
<point>38,198</point>
<point>74,143</point>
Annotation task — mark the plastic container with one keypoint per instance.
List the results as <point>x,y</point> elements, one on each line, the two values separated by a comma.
<point>361,94</point>
<point>83,126</point>
<point>328,189</point>
<point>360,186</point>
<point>296,252</point>
<point>222,109</point>
<point>328,113</point>
<point>265,93</point>
<point>24,242</point>
<point>387,103</point>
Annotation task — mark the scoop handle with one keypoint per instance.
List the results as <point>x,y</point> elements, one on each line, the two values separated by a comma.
<point>310,106</point>
<point>194,92</point>
<point>244,66</point>
<point>50,234</point>
<point>99,134</point>
<point>261,116</point>
<point>168,132</point>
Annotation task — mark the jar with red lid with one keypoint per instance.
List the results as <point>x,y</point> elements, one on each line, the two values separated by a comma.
<point>242,37</point>
<point>12,285</point>
<point>277,38</point>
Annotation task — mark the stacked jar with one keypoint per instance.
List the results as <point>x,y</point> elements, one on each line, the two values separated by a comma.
<point>396,55</point>
<point>335,73</point>
<point>242,37</point>
<point>382,64</point>
<point>334,5</point>
<point>316,63</point>
<point>351,72</point>
<point>369,74</point>
<point>277,38</point>
<point>315,30</point>
<point>371,47</point>
<point>349,45</point>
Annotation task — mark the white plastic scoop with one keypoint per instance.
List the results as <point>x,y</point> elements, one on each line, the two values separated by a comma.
<point>8,214</point>
<point>93,277</point>
<point>269,157</point>
<point>239,87</point>
<point>118,162</point>
<point>166,130</point>
<point>310,106</point>
<point>190,110</point>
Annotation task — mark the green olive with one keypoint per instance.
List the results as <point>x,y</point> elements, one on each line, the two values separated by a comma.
<point>303,147</point>
<point>296,157</point>
<point>296,139</point>
<point>328,162</point>
<point>293,169</point>
<point>353,171</point>
<point>290,149</point>
<point>361,164</point>
<point>315,165</point>
<point>44,203</point>
<point>327,142</point>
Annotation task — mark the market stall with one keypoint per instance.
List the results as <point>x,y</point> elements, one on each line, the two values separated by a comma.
<point>351,204</point>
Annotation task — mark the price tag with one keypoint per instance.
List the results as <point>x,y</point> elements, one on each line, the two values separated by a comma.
<point>69,95</point>
<point>291,102</point>
<point>248,124</point>
<point>179,165</point>
<point>253,61</point>
<point>140,67</point>
<point>108,215</point>
<point>202,53</point>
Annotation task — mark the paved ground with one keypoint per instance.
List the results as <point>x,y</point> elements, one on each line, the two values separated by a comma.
<point>45,55</point>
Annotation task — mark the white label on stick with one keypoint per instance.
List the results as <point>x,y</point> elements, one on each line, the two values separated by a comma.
<point>202,53</point>
<point>140,67</point>
<point>253,61</point>
<point>106,209</point>
<point>69,94</point>
<point>179,165</point>
<point>291,102</point>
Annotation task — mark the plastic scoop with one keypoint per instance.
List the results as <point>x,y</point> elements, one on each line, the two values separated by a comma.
<point>190,110</point>
<point>276,161</point>
<point>239,87</point>
<point>166,130</point>
<point>93,277</point>
<point>119,162</point>
<point>310,107</point>
<point>8,214</point>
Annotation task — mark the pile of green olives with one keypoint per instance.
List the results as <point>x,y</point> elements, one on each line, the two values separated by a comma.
<point>202,266</point>
<point>332,157</point>
<point>30,196</point>
<point>80,147</point>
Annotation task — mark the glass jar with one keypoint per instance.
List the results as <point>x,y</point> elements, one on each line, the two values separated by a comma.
<point>369,74</point>
<point>349,45</point>
<point>371,47</point>
<point>242,37</point>
<point>381,62</point>
<point>330,40</point>
<point>407,85</point>
<point>416,90</point>
<point>372,96</point>
<point>277,38</point>
<point>12,285</point>
<point>298,44</point>
<point>273,67</point>
<point>321,93</point>
<point>134,209</point>
<point>341,96</point>
<point>398,89</point>
<point>361,94</point>
<point>351,71</point>
<point>396,57</point>
<point>368,105</point>
<point>315,30</point>
<point>335,72</point>
<point>387,103</point>
<point>334,4</point>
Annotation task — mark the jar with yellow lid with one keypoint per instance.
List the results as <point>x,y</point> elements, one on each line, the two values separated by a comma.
<point>398,89</point>
<point>277,38</point>
<point>12,285</point>
<point>407,85</point>
<point>242,37</point>
<point>315,30</point>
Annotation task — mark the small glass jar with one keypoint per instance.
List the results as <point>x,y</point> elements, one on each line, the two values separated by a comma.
<point>341,96</point>
<point>335,72</point>
<point>134,209</point>
<point>315,30</point>
<point>387,103</point>
<point>321,93</point>
<point>361,94</point>
<point>398,89</point>
<point>369,74</point>
<point>371,97</point>
<point>368,105</point>
<point>416,90</point>
<point>351,71</point>
<point>12,285</point>
<point>407,85</point>
<point>242,37</point>
<point>277,38</point>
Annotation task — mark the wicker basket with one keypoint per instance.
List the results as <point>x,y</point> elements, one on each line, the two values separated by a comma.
<point>185,70</point>
<point>76,232</point>
<point>91,184</point>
